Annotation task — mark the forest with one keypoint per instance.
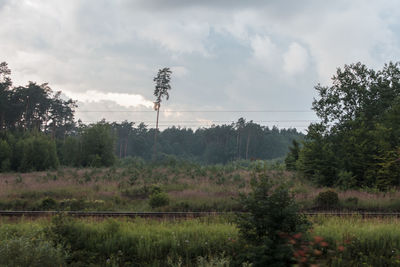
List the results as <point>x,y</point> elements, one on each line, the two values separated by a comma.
<point>38,132</point>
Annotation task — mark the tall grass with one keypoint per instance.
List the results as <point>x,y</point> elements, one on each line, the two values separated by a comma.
<point>114,242</point>
<point>136,242</point>
<point>367,242</point>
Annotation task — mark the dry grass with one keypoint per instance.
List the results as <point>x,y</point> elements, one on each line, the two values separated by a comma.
<point>182,184</point>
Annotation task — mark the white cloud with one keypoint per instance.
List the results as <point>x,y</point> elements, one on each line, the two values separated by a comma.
<point>124,100</point>
<point>265,52</point>
<point>295,60</point>
<point>179,71</point>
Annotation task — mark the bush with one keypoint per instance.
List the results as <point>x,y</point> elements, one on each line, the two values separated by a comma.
<point>158,199</point>
<point>37,152</point>
<point>271,214</point>
<point>327,199</point>
<point>24,251</point>
<point>48,204</point>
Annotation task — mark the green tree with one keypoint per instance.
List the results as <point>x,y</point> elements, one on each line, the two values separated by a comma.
<point>98,145</point>
<point>270,215</point>
<point>5,85</point>
<point>36,152</point>
<point>292,156</point>
<point>359,128</point>
<point>162,87</point>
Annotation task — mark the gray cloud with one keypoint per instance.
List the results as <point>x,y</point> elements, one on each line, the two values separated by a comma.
<point>225,54</point>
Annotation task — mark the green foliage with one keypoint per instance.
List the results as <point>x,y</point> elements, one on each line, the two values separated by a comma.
<point>327,199</point>
<point>356,143</point>
<point>158,199</point>
<point>38,153</point>
<point>98,146</point>
<point>23,251</point>
<point>292,156</point>
<point>70,152</point>
<point>48,204</point>
<point>270,210</point>
<point>141,242</point>
<point>28,152</point>
<point>366,242</point>
<point>5,156</point>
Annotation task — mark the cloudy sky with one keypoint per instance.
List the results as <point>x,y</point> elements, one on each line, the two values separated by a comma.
<point>228,57</point>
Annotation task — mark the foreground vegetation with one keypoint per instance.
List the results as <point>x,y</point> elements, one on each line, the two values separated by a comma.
<point>202,242</point>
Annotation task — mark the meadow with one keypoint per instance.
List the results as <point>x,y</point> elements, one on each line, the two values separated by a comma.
<point>214,241</point>
<point>134,185</point>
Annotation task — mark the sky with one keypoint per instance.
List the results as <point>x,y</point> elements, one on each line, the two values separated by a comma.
<point>259,60</point>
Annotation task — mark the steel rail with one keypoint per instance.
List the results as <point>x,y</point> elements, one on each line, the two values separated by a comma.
<point>179,214</point>
<point>108,214</point>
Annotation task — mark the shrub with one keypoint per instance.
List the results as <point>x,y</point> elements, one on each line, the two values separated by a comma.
<point>158,199</point>
<point>48,204</point>
<point>327,199</point>
<point>24,251</point>
<point>270,211</point>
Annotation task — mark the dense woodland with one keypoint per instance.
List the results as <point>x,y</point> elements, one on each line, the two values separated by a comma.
<point>38,131</point>
<point>357,143</point>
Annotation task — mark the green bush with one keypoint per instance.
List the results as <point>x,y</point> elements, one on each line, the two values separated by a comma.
<point>24,251</point>
<point>327,199</point>
<point>48,204</point>
<point>36,152</point>
<point>159,199</point>
<point>270,213</point>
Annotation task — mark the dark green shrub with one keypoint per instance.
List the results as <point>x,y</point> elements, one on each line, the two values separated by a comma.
<point>327,199</point>
<point>270,215</point>
<point>48,204</point>
<point>141,192</point>
<point>158,199</point>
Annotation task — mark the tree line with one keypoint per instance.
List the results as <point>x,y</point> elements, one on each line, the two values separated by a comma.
<point>357,142</point>
<point>217,144</point>
<point>38,131</point>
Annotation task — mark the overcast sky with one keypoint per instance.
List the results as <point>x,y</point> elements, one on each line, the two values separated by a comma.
<point>226,55</point>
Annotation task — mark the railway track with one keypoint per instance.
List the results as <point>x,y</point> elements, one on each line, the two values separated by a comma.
<point>178,214</point>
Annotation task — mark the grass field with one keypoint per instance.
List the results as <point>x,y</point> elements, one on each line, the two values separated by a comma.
<point>188,187</point>
<point>198,242</point>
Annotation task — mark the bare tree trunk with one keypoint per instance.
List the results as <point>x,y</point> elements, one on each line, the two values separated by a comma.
<point>126,146</point>
<point>247,146</point>
<point>237,146</point>
<point>155,135</point>
<point>120,148</point>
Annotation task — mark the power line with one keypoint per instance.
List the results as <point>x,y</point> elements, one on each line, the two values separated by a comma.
<point>217,121</point>
<point>197,111</point>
